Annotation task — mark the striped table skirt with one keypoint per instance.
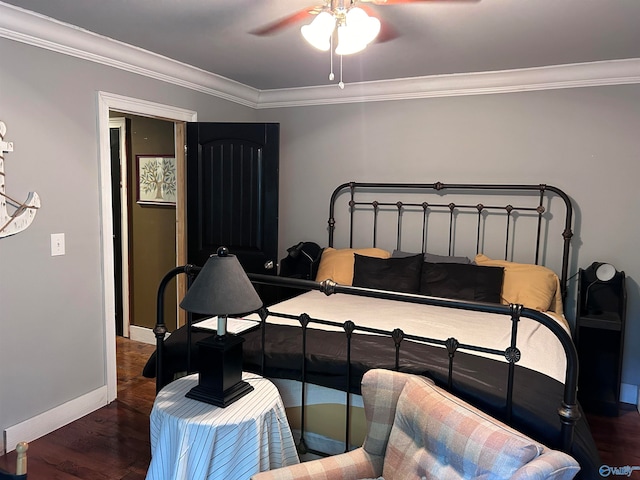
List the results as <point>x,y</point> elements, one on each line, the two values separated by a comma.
<point>192,440</point>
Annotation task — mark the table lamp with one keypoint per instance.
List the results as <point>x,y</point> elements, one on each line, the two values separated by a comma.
<point>603,273</point>
<point>221,288</point>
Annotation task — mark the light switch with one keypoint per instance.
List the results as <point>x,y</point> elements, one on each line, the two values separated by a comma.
<point>57,244</point>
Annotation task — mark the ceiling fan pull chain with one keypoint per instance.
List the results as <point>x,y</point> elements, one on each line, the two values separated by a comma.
<point>331,75</point>
<point>341,83</point>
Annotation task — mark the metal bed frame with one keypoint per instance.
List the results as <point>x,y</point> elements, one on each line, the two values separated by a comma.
<point>568,411</point>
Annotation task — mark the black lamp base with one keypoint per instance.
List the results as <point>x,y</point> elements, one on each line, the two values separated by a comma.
<point>220,379</point>
<point>229,396</point>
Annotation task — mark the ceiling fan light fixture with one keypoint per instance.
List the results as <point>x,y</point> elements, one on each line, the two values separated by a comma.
<point>356,31</point>
<point>318,33</point>
<point>348,41</point>
<point>366,27</point>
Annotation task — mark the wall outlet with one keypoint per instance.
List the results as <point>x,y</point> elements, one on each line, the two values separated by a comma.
<point>57,244</point>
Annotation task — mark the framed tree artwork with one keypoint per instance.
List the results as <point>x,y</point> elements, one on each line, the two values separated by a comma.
<point>156,179</point>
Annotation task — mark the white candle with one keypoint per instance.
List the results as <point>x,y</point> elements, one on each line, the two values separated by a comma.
<point>222,325</point>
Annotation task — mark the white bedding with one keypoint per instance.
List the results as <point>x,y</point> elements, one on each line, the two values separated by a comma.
<point>541,350</point>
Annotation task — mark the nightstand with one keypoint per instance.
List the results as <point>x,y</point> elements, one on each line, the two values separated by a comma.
<point>599,336</point>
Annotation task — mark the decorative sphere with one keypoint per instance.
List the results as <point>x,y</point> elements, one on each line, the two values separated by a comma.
<point>222,252</point>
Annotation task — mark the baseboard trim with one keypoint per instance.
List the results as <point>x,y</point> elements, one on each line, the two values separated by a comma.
<point>629,394</point>
<point>46,422</point>
<point>320,443</point>
<point>142,334</point>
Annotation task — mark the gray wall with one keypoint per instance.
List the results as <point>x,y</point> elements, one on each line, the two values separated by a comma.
<point>51,312</point>
<point>585,141</point>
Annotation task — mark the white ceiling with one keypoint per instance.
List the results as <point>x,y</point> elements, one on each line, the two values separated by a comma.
<point>435,38</point>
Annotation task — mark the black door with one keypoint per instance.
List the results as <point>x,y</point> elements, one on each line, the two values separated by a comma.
<point>232,193</point>
<point>114,134</point>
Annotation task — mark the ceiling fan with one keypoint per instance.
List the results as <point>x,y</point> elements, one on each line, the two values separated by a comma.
<point>339,8</point>
<point>350,21</point>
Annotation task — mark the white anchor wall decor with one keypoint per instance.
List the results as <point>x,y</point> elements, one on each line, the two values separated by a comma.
<point>23,213</point>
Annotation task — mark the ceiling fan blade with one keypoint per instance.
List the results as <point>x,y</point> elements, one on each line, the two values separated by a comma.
<point>285,22</point>
<point>387,33</point>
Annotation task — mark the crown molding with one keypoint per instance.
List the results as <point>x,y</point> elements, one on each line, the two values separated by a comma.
<point>43,32</point>
<point>612,72</point>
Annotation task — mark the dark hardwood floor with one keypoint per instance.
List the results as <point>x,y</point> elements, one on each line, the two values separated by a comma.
<point>113,442</point>
<point>618,438</point>
<point>108,444</point>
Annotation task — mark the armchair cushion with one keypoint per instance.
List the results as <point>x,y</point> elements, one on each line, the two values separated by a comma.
<point>380,391</point>
<point>437,435</point>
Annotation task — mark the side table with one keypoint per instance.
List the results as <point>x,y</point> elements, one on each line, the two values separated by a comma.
<point>599,336</point>
<point>192,440</point>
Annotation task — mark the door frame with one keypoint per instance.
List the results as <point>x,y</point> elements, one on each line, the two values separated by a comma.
<point>106,102</point>
<point>121,124</point>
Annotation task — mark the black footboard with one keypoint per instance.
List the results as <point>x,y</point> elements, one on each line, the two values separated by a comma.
<point>567,409</point>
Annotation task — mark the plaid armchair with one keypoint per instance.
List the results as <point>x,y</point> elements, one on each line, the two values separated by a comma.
<point>418,431</point>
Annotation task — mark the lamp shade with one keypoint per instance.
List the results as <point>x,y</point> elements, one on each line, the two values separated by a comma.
<point>221,288</point>
<point>604,271</point>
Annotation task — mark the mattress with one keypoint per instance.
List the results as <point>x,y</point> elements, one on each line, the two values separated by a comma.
<point>540,350</point>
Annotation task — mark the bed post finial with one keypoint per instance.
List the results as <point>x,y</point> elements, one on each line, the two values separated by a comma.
<point>328,286</point>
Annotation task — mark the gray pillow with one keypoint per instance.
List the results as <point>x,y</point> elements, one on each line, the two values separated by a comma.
<point>432,257</point>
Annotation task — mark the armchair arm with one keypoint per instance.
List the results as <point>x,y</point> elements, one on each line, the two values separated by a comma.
<point>551,465</point>
<point>346,466</point>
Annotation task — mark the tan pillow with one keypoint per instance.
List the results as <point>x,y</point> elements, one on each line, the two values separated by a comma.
<point>337,264</point>
<point>532,286</point>
<point>556,304</point>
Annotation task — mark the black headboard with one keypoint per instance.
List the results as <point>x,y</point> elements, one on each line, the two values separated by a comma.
<point>457,218</point>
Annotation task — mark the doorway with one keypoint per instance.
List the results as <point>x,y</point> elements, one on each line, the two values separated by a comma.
<point>119,179</point>
<point>144,223</point>
<point>111,102</point>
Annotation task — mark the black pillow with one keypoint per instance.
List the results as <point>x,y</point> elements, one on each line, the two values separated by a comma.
<point>462,282</point>
<point>395,274</point>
